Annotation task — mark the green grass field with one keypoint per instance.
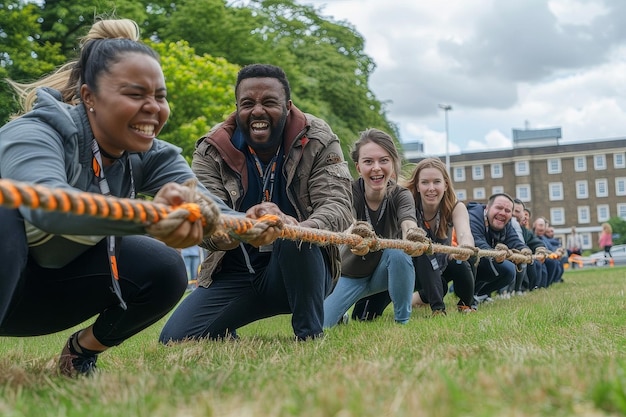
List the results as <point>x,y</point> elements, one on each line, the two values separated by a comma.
<point>554,352</point>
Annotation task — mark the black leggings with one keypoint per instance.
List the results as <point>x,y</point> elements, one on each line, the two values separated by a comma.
<point>36,301</point>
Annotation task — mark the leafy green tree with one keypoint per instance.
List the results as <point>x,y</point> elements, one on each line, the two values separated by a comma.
<point>324,60</point>
<point>24,55</point>
<point>202,44</point>
<point>200,92</point>
<point>65,21</point>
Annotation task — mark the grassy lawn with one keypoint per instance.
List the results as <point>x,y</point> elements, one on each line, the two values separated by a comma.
<point>554,352</point>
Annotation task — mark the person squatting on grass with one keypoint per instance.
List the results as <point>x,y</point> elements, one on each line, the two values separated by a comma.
<point>536,272</point>
<point>491,228</point>
<point>102,115</point>
<point>438,212</point>
<point>390,211</point>
<point>267,157</point>
<point>553,265</point>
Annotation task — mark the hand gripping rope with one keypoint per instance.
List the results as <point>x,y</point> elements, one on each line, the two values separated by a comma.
<point>161,219</point>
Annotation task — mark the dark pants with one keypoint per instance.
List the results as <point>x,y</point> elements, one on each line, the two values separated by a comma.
<point>36,301</point>
<point>429,285</point>
<point>296,280</point>
<point>555,270</point>
<point>491,276</point>
<point>537,275</point>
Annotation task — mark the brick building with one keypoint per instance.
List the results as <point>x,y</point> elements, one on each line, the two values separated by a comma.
<point>573,184</point>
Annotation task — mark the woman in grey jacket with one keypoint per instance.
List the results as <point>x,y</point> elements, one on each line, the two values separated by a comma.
<point>95,131</point>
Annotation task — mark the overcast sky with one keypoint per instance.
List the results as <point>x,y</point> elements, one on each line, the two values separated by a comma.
<point>500,64</point>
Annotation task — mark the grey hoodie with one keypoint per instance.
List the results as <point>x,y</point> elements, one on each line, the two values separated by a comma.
<point>51,146</point>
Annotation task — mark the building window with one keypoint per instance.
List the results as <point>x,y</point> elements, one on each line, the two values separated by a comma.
<point>556,191</point>
<point>583,214</point>
<point>620,186</point>
<point>557,216</point>
<point>604,212</point>
<point>621,211</point>
<point>582,189</point>
<point>479,193</point>
<point>498,189</point>
<point>554,166</point>
<point>602,188</point>
<point>478,173</point>
<point>522,192</point>
<point>619,161</point>
<point>461,195</point>
<point>522,168</point>
<point>459,174</point>
<point>496,171</point>
<point>586,240</point>
<point>599,162</point>
<point>580,164</point>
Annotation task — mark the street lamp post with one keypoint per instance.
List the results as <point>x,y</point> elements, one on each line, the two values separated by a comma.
<point>446,108</point>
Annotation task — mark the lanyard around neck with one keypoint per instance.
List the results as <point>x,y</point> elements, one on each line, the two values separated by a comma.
<point>268,174</point>
<point>381,208</point>
<point>112,241</point>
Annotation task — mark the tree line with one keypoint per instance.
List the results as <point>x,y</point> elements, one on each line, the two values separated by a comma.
<point>202,45</point>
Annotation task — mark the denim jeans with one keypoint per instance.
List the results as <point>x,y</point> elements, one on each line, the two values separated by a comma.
<point>394,273</point>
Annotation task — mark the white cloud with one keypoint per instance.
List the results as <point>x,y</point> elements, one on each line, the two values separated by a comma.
<point>500,64</point>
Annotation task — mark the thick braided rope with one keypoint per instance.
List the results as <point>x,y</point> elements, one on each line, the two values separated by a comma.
<point>14,194</point>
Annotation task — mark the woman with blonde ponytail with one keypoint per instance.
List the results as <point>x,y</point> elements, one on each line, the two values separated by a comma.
<point>92,126</point>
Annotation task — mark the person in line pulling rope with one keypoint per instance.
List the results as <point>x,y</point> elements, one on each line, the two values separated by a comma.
<point>389,209</point>
<point>267,157</point>
<point>93,128</point>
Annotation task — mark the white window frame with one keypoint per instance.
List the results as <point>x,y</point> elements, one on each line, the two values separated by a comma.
<point>619,160</point>
<point>478,172</point>
<point>602,183</point>
<point>479,193</point>
<point>497,189</point>
<point>461,195</point>
<point>496,170</point>
<point>599,162</point>
<point>603,212</point>
<point>621,210</point>
<point>620,186</point>
<point>584,215</point>
<point>586,240</point>
<point>522,189</point>
<point>554,165</point>
<point>459,174</point>
<point>580,163</point>
<point>522,168</point>
<point>582,189</point>
<point>557,216</point>
<point>555,191</point>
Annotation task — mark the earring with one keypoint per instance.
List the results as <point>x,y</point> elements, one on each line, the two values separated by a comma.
<point>91,110</point>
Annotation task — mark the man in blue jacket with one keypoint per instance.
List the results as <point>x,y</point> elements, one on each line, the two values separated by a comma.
<point>491,225</point>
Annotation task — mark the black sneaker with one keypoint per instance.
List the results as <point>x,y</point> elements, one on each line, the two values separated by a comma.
<point>76,361</point>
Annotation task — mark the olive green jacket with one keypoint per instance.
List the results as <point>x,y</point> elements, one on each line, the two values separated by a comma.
<point>318,179</point>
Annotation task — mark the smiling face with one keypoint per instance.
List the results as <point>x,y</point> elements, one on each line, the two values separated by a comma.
<point>262,109</point>
<point>518,212</point>
<point>431,187</point>
<point>539,227</point>
<point>129,106</point>
<point>375,166</point>
<point>499,213</point>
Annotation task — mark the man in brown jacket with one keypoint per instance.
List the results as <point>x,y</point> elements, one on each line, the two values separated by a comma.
<point>267,157</point>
